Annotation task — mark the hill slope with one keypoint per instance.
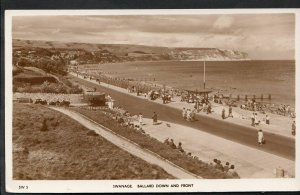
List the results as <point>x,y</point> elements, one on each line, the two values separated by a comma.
<point>110,53</point>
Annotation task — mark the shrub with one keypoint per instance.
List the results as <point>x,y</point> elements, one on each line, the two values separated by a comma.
<point>92,133</point>
<point>75,90</point>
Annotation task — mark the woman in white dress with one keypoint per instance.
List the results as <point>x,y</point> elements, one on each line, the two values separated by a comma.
<point>140,118</point>
<point>260,137</point>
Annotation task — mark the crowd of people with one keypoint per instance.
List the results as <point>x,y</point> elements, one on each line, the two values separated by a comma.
<point>189,97</point>
<point>154,91</point>
<point>204,105</point>
<point>227,168</point>
<point>170,142</point>
<point>125,119</point>
<point>252,105</point>
<point>285,110</point>
<point>255,120</point>
<point>201,104</point>
<point>188,114</point>
<point>223,114</point>
<point>151,91</point>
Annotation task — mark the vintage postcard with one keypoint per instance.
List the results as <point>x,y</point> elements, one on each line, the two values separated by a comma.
<point>151,100</point>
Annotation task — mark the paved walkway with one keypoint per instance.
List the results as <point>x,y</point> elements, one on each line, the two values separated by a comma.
<point>280,125</point>
<point>249,162</point>
<point>129,146</point>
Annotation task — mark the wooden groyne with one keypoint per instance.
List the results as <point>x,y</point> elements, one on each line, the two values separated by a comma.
<point>247,97</point>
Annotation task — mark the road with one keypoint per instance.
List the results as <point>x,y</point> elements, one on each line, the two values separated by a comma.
<point>275,144</point>
<point>128,146</point>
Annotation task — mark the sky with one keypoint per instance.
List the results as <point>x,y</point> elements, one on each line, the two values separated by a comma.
<point>262,36</point>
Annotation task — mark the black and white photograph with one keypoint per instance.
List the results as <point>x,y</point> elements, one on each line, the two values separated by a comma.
<point>145,101</point>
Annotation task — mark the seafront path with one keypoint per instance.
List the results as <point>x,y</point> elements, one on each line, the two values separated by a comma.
<point>280,144</point>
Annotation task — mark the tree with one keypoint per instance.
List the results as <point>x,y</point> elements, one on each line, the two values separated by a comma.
<point>45,87</point>
<point>24,62</point>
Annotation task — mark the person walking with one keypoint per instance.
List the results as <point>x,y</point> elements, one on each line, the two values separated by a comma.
<point>204,107</point>
<point>223,113</point>
<point>140,118</point>
<point>188,115</point>
<point>197,105</point>
<point>164,98</point>
<point>260,137</point>
<point>230,112</point>
<point>253,119</point>
<point>154,118</point>
<point>294,128</point>
<point>208,109</point>
<point>256,122</point>
<point>267,120</point>
<point>183,113</point>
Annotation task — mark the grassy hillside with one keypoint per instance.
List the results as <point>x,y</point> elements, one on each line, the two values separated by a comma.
<point>119,49</point>
<point>99,53</point>
<point>49,145</point>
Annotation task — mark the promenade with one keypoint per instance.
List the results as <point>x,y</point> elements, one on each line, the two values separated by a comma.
<point>280,125</point>
<point>233,144</point>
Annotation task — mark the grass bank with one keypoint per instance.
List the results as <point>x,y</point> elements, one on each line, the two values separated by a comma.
<point>198,167</point>
<point>49,145</point>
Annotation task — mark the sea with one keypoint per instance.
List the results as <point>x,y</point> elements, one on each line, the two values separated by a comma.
<point>251,77</point>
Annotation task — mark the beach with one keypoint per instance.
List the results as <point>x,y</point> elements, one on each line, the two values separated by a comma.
<point>227,77</point>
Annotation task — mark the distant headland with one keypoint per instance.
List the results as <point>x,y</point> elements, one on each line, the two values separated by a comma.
<point>86,53</point>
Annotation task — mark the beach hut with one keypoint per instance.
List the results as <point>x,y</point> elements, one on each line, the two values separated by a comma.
<point>94,98</point>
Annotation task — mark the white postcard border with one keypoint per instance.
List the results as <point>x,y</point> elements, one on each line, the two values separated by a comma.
<point>107,185</point>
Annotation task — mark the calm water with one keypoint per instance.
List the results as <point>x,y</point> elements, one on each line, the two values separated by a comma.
<point>237,77</point>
